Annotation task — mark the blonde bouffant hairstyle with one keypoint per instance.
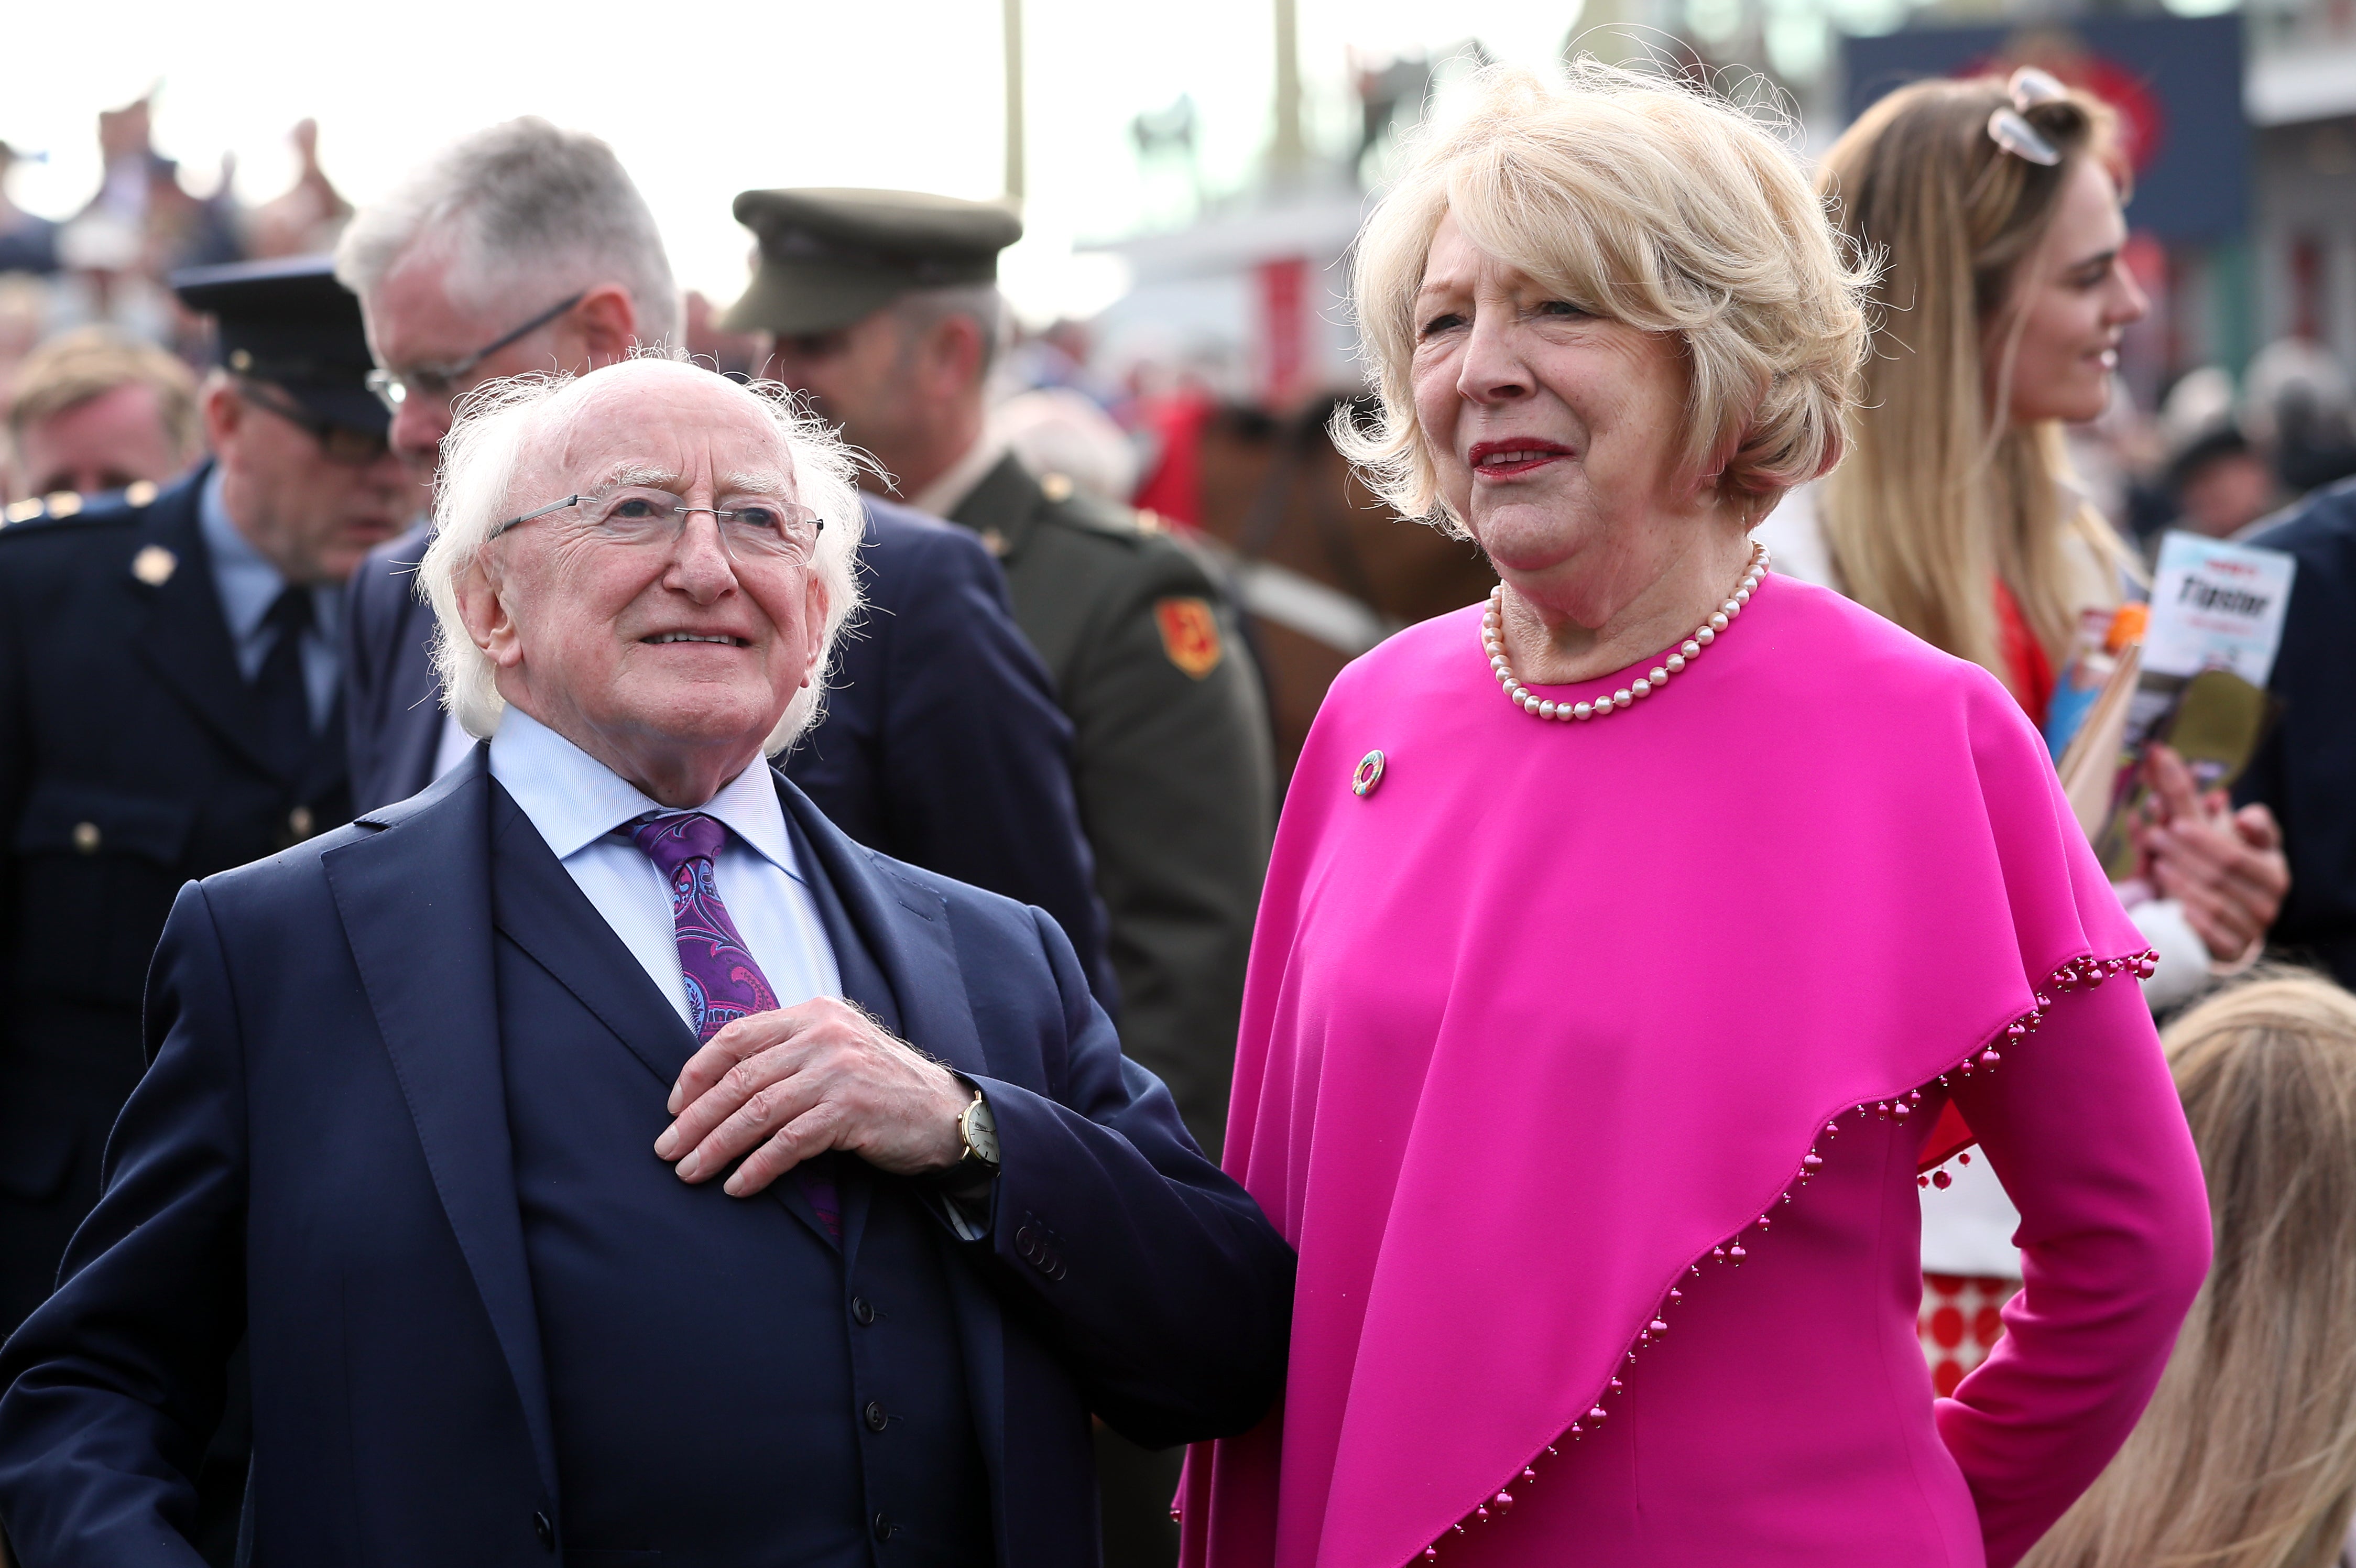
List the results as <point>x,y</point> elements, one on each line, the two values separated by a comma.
<point>1943,495</point>
<point>2247,1457</point>
<point>1646,200</point>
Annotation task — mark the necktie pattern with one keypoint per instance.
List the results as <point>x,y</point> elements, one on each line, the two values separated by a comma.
<point>723,983</point>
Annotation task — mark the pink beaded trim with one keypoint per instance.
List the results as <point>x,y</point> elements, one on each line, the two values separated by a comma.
<point>2088,971</point>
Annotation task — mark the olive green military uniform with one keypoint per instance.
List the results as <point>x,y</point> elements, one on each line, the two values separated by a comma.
<point>1172,749</point>
<point>1176,788</point>
<point>1171,761</point>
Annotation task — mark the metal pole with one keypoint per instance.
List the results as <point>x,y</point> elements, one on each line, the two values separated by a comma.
<point>1288,154</point>
<point>1014,99</point>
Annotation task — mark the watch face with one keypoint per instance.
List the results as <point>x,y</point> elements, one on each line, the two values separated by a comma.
<point>982,1132</point>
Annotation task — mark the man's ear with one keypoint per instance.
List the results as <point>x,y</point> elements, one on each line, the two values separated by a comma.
<point>483,606</point>
<point>953,355</point>
<point>223,413</point>
<point>607,321</point>
<point>814,604</point>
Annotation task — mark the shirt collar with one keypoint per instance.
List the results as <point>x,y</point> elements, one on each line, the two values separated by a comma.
<point>246,581</point>
<point>574,800</point>
<point>249,584</point>
<point>949,492</point>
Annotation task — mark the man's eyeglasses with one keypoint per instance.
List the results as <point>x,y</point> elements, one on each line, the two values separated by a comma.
<point>392,388</point>
<point>338,443</point>
<point>635,518</point>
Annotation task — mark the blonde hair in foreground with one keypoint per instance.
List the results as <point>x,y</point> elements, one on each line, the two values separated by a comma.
<point>1942,495</point>
<point>2246,1458</point>
<point>1649,201</point>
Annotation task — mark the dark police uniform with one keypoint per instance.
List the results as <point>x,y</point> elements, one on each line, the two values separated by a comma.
<point>1172,748</point>
<point>136,753</point>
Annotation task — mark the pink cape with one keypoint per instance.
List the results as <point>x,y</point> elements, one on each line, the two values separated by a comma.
<point>1554,1010</point>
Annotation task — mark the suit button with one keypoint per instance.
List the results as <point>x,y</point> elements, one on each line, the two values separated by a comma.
<point>545,1531</point>
<point>1022,1238</point>
<point>861,1313</point>
<point>883,1527</point>
<point>877,1419</point>
<point>86,837</point>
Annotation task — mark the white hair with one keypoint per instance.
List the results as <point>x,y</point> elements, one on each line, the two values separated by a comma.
<point>505,422</point>
<point>528,210</point>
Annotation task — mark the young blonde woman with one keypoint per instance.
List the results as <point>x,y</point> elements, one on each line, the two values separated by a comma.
<point>2246,1458</point>
<point>1993,208</point>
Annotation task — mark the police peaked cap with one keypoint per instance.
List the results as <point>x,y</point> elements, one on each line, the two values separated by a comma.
<point>290,323</point>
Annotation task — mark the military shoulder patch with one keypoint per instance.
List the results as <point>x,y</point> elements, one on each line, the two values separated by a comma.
<point>1190,634</point>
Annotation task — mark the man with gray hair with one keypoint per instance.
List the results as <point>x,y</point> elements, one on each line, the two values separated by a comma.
<point>523,248</point>
<point>908,1217</point>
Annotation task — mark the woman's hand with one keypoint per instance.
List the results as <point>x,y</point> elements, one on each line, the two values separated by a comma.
<point>2226,867</point>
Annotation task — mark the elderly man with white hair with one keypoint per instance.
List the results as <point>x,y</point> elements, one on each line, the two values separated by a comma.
<point>608,1159</point>
<point>524,247</point>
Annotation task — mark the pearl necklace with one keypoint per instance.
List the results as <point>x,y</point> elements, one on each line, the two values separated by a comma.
<point>1492,638</point>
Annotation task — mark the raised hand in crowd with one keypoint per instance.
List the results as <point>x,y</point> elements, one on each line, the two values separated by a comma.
<point>2226,867</point>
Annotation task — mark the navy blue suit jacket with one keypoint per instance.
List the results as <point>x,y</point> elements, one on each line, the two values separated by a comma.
<point>2305,771</point>
<point>942,744</point>
<point>320,1153</point>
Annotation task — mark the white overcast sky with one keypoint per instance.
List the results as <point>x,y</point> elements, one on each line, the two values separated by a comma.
<point>705,98</point>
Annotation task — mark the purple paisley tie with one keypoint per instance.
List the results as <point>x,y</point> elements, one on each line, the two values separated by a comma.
<point>723,983</point>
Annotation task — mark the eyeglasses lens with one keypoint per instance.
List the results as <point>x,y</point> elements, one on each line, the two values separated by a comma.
<point>342,444</point>
<point>756,527</point>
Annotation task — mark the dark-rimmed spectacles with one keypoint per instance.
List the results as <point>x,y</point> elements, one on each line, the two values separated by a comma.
<point>340,443</point>
<point>392,388</point>
<point>758,528</point>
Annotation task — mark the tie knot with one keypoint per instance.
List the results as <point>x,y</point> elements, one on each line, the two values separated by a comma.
<point>291,612</point>
<point>670,841</point>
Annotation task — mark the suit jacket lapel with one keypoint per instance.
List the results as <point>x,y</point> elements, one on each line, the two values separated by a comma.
<point>538,906</point>
<point>184,637</point>
<point>867,907</point>
<point>417,726</point>
<point>415,900</point>
<point>901,925</point>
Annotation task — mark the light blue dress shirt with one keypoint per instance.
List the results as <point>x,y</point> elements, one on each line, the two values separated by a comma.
<point>576,803</point>
<point>248,585</point>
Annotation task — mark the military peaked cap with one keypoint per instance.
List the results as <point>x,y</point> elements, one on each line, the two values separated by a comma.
<point>290,323</point>
<point>831,257</point>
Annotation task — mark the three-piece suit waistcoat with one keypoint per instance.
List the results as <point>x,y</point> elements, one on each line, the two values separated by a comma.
<point>728,1386</point>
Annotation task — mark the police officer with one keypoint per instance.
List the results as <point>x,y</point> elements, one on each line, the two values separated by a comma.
<point>884,307</point>
<point>168,676</point>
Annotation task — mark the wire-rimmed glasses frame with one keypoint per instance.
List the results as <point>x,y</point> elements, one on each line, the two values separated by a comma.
<point>637,517</point>
<point>393,387</point>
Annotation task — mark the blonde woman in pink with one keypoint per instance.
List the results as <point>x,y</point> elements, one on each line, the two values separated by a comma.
<point>1634,940</point>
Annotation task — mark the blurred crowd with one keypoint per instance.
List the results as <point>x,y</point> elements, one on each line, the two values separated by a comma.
<point>2221,452</point>
<point>81,297</point>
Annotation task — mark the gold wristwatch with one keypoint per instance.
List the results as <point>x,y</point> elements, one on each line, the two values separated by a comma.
<point>978,1130</point>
